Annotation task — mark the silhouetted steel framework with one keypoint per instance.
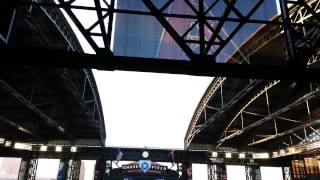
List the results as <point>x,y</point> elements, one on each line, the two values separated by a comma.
<point>78,84</point>
<point>251,104</point>
<point>300,24</point>
<point>299,48</point>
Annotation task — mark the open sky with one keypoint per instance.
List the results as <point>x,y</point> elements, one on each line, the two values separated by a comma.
<point>148,109</point>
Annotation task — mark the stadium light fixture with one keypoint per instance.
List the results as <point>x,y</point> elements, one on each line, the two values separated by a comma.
<point>22,146</point>
<point>43,148</point>
<point>73,149</point>
<point>242,156</point>
<point>58,149</point>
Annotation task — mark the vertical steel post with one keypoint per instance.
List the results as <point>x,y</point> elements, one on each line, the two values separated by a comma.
<point>290,44</point>
<point>253,172</point>
<point>28,168</point>
<point>286,173</point>
<point>73,171</point>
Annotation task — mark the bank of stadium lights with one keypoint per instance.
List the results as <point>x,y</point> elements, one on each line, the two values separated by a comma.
<point>7,143</point>
<point>260,155</point>
<point>58,149</point>
<point>2,140</point>
<point>214,154</point>
<point>275,154</point>
<point>73,149</point>
<point>314,145</point>
<point>228,155</point>
<point>242,156</point>
<point>23,146</point>
<point>282,152</point>
<point>43,148</point>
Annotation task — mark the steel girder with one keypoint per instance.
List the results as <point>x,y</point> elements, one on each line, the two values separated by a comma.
<point>301,12</point>
<point>73,172</point>
<point>20,98</point>
<point>56,58</point>
<point>56,17</point>
<point>245,91</point>
<point>302,99</point>
<point>9,20</point>
<point>200,16</point>
<point>98,111</point>
<point>18,127</point>
<point>95,113</point>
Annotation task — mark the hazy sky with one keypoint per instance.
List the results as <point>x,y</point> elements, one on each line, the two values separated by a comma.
<point>148,109</point>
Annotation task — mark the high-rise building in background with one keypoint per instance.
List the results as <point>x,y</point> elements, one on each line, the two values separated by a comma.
<point>136,35</point>
<point>143,36</point>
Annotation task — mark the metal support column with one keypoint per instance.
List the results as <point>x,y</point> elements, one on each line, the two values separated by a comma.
<point>186,171</point>
<point>73,171</point>
<point>28,168</point>
<point>286,173</point>
<point>288,32</point>
<point>100,169</point>
<point>63,169</point>
<point>253,172</point>
<point>217,172</point>
<point>212,172</point>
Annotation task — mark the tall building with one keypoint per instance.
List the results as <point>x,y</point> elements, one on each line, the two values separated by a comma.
<point>143,36</point>
<point>136,35</point>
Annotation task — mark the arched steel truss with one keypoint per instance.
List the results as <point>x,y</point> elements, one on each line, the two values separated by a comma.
<point>299,13</point>
<point>87,95</point>
<point>300,24</point>
<point>202,61</point>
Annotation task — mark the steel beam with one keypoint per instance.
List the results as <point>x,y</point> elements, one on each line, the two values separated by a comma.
<point>287,132</point>
<point>58,58</point>
<point>73,169</point>
<point>96,96</point>
<point>67,7</point>
<point>91,112</point>
<point>18,127</point>
<point>15,94</point>
<point>272,115</point>
<point>173,15</point>
<point>102,24</point>
<point>286,171</point>
<point>238,27</point>
<point>110,153</point>
<point>28,168</point>
<point>265,88</point>
<point>218,28</point>
<point>214,86</point>
<point>173,33</point>
<point>226,107</point>
<point>290,42</point>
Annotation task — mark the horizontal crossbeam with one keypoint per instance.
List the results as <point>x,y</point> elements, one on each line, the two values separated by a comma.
<point>57,58</point>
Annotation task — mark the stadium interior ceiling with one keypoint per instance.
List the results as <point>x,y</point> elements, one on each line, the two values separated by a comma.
<point>264,97</point>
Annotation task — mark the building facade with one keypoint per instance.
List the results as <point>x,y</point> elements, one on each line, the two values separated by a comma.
<point>143,36</point>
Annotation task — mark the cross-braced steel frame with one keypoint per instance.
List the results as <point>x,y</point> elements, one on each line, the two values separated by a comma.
<point>105,11</point>
<point>73,171</point>
<point>300,24</point>
<point>28,168</point>
<point>208,40</point>
<point>298,39</point>
<point>286,173</point>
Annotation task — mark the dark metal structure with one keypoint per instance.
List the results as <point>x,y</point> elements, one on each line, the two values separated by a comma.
<point>260,113</point>
<point>202,63</point>
<point>46,105</point>
<point>275,108</point>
